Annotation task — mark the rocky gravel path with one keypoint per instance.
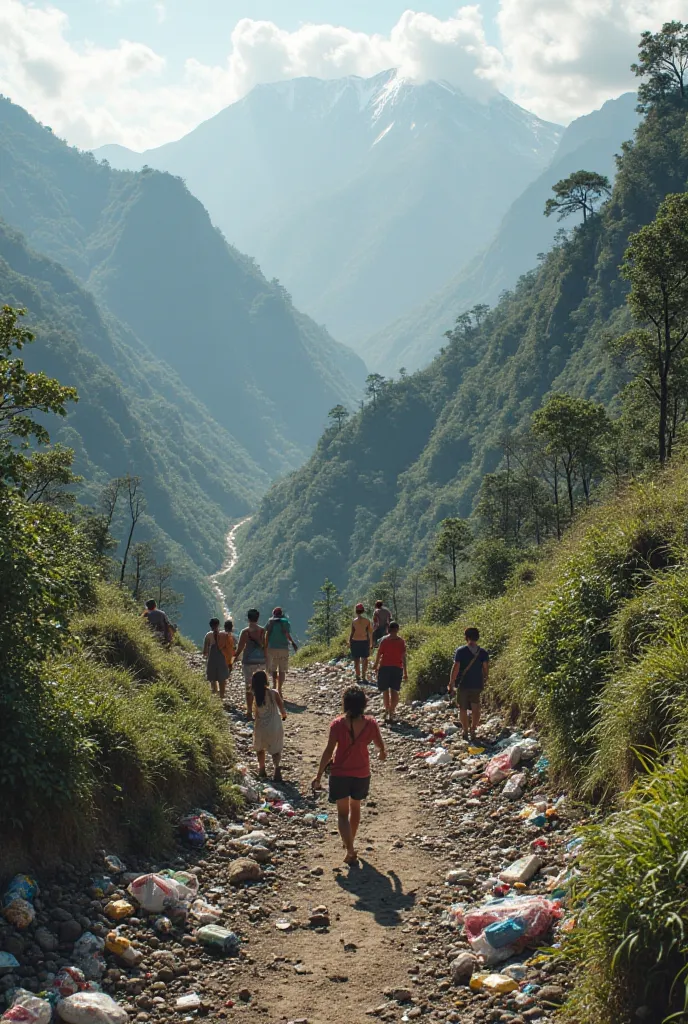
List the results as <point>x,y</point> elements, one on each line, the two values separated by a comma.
<point>321,942</point>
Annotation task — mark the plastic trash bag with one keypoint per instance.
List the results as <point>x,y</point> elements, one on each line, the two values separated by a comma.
<point>439,756</point>
<point>192,829</point>
<point>113,864</point>
<point>17,901</point>
<point>185,878</point>
<point>256,838</point>
<point>453,916</point>
<point>501,765</point>
<point>155,893</point>
<point>88,955</point>
<point>8,962</point>
<point>67,981</point>
<point>500,928</point>
<point>514,786</point>
<point>204,913</point>
<point>91,1008</point>
<point>28,1008</point>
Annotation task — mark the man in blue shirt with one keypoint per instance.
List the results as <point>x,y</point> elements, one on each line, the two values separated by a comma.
<point>471,667</point>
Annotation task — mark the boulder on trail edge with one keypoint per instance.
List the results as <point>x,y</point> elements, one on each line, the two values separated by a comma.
<point>462,968</point>
<point>244,870</point>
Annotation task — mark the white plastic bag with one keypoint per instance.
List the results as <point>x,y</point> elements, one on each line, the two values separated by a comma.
<point>27,1008</point>
<point>88,955</point>
<point>154,893</point>
<point>439,756</point>
<point>91,1008</point>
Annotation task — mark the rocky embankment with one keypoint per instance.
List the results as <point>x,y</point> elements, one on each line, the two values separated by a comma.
<point>403,935</point>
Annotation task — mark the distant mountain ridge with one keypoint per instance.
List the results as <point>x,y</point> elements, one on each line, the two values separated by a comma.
<point>133,415</point>
<point>372,495</point>
<point>590,143</point>
<point>360,195</point>
<point>149,252</point>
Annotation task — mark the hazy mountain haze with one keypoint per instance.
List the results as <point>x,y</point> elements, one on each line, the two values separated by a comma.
<point>358,194</point>
<point>592,141</point>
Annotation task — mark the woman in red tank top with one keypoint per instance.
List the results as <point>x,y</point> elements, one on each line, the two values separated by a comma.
<point>350,736</point>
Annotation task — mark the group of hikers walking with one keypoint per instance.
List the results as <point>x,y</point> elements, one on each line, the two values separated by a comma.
<point>264,652</point>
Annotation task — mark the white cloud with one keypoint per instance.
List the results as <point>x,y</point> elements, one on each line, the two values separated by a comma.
<point>420,45</point>
<point>566,57</point>
<point>559,58</point>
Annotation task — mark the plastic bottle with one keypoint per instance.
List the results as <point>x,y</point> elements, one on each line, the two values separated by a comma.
<point>218,938</point>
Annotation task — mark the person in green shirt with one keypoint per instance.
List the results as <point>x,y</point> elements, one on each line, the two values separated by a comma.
<point>277,639</point>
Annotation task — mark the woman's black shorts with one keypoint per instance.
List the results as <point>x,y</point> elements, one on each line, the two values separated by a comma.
<point>342,786</point>
<point>389,677</point>
<point>360,649</point>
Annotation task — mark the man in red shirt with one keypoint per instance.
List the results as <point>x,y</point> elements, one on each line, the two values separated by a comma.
<point>390,665</point>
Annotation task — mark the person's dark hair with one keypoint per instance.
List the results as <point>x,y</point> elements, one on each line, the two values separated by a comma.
<point>393,627</point>
<point>277,613</point>
<point>360,607</point>
<point>150,605</point>
<point>259,685</point>
<point>378,604</point>
<point>214,623</point>
<point>472,634</point>
<point>253,615</point>
<point>354,701</point>
<point>229,626</point>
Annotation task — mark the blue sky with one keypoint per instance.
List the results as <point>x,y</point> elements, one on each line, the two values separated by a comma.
<point>144,72</point>
<point>202,28</point>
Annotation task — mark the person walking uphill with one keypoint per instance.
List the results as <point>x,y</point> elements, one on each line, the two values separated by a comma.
<point>277,639</point>
<point>471,668</point>
<point>217,650</point>
<point>158,622</point>
<point>390,665</point>
<point>382,617</point>
<point>268,734</point>
<point>251,647</point>
<point>361,642</point>
<point>350,736</point>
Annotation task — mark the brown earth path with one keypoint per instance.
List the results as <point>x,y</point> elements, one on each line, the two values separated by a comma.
<point>337,975</point>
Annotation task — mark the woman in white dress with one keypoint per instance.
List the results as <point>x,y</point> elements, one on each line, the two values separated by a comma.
<point>268,731</point>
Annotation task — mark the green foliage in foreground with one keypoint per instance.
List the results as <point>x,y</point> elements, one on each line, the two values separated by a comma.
<point>105,733</point>
<point>114,735</point>
<point>630,948</point>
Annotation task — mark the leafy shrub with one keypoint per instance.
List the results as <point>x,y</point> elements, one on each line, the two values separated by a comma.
<point>559,660</point>
<point>130,736</point>
<point>630,948</point>
<point>446,607</point>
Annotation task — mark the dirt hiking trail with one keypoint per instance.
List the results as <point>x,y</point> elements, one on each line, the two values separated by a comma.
<point>337,975</point>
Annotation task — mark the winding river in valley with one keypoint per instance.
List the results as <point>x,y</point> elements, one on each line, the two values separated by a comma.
<point>229,563</point>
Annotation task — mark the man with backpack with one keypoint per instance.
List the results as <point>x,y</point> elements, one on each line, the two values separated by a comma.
<point>158,622</point>
<point>277,639</point>
<point>470,670</point>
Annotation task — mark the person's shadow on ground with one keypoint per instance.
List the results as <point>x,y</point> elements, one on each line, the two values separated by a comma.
<point>294,709</point>
<point>378,894</point>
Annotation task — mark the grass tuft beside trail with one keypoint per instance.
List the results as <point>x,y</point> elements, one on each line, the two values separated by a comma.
<point>132,737</point>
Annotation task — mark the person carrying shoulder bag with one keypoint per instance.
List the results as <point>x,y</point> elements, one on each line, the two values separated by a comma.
<point>470,670</point>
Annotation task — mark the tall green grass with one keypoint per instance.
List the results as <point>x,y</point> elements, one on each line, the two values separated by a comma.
<point>133,737</point>
<point>630,946</point>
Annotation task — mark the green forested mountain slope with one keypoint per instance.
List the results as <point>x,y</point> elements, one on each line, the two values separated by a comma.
<point>372,494</point>
<point>135,416</point>
<point>147,249</point>
<point>589,142</point>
